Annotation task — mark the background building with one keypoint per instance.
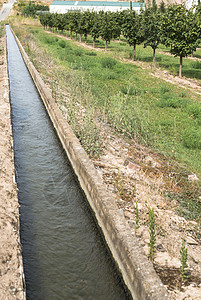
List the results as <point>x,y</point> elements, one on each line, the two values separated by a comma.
<point>65,6</point>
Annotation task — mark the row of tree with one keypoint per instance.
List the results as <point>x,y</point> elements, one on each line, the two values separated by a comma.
<point>175,27</point>
<point>31,8</point>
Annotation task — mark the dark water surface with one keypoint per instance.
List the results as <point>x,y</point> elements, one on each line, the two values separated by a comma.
<point>63,252</point>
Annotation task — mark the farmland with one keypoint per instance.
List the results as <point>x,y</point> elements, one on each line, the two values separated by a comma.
<point>136,121</point>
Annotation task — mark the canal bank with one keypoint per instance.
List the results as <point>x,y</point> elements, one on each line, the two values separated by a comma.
<point>137,271</point>
<point>64,255</point>
<point>11,269</point>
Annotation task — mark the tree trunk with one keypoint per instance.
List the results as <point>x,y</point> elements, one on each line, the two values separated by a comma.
<point>71,35</point>
<point>135,52</point>
<point>154,57</point>
<point>80,38</point>
<point>94,43</point>
<point>192,54</point>
<point>105,45</point>
<point>180,67</point>
<point>76,36</point>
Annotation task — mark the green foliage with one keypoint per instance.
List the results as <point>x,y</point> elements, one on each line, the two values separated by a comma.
<point>132,29</point>
<point>129,97</point>
<point>194,110</point>
<point>108,62</point>
<point>1,31</point>
<point>151,29</point>
<point>183,259</point>
<point>180,30</point>
<point>31,8</point>
<point>192,138</point>
<point>152,241</point>
<point>95,26</point>
<point>109,28</point>
<point>172,102</point>
<point>62,43</point>
<point>162,7</point>
<point>197,65</point>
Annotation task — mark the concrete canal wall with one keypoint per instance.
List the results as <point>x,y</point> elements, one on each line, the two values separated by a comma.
<point>137,271</point>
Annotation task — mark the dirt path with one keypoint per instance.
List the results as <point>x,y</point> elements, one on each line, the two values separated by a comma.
<point>193,84</point>
<point>11,270</point>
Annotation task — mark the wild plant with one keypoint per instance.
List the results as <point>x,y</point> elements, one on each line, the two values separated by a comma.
<point>136,219</point>
<point>152,241</point>
<point>183,259</point>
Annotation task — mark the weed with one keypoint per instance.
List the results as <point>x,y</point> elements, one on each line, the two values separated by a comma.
<point>196,65</point>
<point>136,219</point>
<point>89,135</point>
<point>182,95</point>
<point>164,89</point>
<point>172,70</point>
<point>78,52</point>
<point>183,259</point>
<point>192,138</point>
<point>152,241</point>
<point>49,40</point>
<point>108,62</point>
<point>172,102</point>
<point>62,43</point>
<point>130,110</point>
<point>91,53</point>
<point>195,110</point>
<point>131,91</point>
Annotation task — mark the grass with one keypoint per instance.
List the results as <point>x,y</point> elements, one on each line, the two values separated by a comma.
<point>156,113</point>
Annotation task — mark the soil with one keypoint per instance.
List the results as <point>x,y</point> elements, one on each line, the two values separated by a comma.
<point>133,173</point>
<point>11,270</point>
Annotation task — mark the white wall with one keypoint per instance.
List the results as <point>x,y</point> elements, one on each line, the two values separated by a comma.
<point>62,9</point>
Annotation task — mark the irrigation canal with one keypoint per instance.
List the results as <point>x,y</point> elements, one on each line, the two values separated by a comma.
<point>64,254</point>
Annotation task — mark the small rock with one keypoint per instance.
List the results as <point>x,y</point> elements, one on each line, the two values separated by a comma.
<point>131,223</point>
<point>192,177</point>
<point>132,166</point>
<point>191,241</point>
<point>122,212</point>
<point>160,248</point>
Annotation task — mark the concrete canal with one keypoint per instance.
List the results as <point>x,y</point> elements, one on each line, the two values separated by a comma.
<point>64,254</point>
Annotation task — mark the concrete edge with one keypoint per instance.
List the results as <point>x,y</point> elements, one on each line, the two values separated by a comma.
<point>20,260</point>
<point>137,271</point>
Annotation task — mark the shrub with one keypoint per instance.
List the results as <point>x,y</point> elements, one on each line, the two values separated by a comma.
<point>192,138</point>
<point>108,62</point>
<point>49,40</point>
<point>195,110</point>
<point>91,53</point>
<point>197,65</point>
<point>62,43</point>
<point>172,102</point>
<point>78,52</point>
<point>164,89</point>
<point>131,91</point>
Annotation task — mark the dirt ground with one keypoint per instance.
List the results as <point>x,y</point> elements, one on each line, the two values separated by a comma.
<point>133,173</point>
<point>11,270</point>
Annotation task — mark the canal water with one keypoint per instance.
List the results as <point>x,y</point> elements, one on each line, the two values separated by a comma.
<point>64,254</point>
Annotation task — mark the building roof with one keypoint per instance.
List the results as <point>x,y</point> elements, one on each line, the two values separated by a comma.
<point>97,3</point>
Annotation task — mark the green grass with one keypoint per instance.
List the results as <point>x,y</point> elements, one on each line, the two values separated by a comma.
<point>157,113</point>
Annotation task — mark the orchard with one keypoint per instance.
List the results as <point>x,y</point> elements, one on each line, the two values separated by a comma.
<point>175,27</point>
